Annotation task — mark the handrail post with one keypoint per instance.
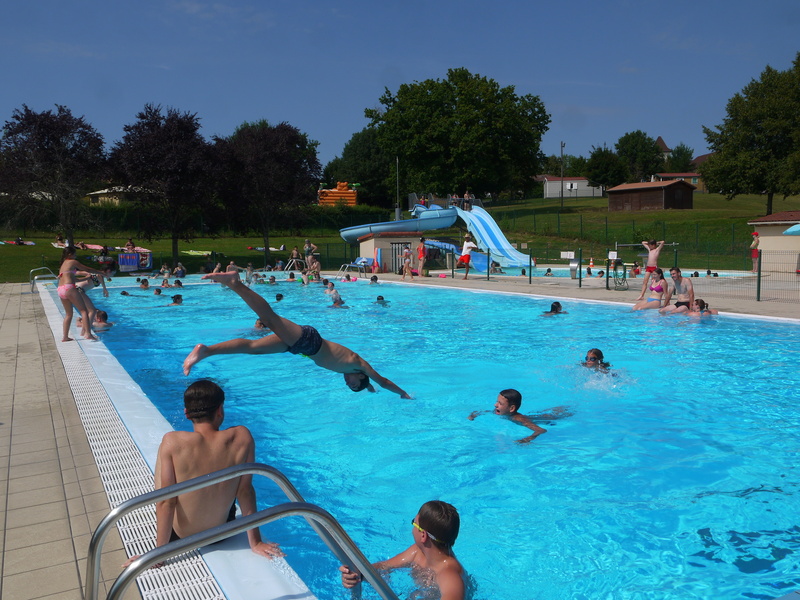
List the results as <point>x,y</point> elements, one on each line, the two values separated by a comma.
<point>344,544</point>
<point>319,519</point>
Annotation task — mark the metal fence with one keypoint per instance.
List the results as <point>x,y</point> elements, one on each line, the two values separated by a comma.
<point>777,279</point>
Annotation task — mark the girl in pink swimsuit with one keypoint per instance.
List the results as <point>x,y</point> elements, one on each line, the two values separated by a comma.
<point>71,296</point>
<point>657,288</point>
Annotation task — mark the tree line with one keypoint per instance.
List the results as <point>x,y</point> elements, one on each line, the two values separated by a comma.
<point>49,160</point>
<point>464,133</point>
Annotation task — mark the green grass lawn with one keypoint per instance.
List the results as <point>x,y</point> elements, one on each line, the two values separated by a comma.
<point>713,235</point>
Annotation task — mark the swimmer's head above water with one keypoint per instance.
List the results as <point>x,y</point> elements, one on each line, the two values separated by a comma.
<point>508,402</point>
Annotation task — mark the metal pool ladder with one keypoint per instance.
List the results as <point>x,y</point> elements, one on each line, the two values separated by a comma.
<point>34,278</point>
<point>325,525</point>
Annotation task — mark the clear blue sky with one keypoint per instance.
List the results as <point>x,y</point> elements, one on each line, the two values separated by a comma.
<point>602,68</point>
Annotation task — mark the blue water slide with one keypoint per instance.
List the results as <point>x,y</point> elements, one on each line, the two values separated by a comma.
<point>426,221</point>
<point>488,236</point>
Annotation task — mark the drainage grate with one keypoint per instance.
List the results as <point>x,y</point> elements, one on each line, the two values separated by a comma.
<point>125,474</point>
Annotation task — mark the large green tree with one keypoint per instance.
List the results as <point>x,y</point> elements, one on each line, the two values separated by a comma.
<point>163,159</point>
<point>49,160</point>
<point>641,155</point>
<point>268,169</point>
<point>605,168</point>
<point>462,133</point>
<point>574,166</point>
<point>680,159</point>
<point>363,161</point>
<point>756,149</point>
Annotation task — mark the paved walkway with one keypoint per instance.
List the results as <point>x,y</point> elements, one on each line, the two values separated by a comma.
<point>594,289</point>
<point>50,490</point>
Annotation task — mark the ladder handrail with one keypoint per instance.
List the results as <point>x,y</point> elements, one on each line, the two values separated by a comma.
<point>33,278</point>
<point>325,525</point>
<point>295,262</point>
<point>313,513</point>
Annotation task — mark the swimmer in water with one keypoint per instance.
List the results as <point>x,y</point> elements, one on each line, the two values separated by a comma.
<point>508,404</point>
<point>434,530</point>
<point>555,309</point>
<point>595,360</point>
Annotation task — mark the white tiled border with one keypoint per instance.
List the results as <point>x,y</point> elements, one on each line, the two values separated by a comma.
<point>124,430</point>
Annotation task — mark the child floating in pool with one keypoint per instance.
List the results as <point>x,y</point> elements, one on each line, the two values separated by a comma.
<point>555,309</point>
<point>293,338</point>
<point>434,529</point>
<point>595,360</point>
<point>508,404</point>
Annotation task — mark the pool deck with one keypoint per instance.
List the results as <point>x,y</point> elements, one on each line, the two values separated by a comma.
<point>51,493</point>
<point>52,496</point>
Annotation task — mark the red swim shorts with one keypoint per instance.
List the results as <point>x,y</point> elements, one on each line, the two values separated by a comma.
<point>464,259</point>
<point>650,269</point>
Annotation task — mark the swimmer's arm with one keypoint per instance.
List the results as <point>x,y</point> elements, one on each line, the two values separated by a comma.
<point>382,381</point>
<point>246,495</point>
<point>350,579</point>
<point>404,559</point>
<point>526,422</point>
<point>477,413</point>
<point>668,295</point>
<point>691,292</point>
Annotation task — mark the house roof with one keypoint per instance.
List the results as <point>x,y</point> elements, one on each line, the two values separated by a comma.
<point>663,145</point>
<point>649,185</point>
<point>677,174</point>
<point>787,217</point>
<point>554,178</point>
<point>699,160</point>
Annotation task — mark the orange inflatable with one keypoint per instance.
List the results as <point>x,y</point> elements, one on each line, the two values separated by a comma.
<point>342,194</point>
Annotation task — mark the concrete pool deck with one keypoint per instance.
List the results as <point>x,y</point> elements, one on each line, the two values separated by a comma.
<point>50,489</point>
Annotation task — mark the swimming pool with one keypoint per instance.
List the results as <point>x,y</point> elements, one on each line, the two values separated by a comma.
<point>676,479</point>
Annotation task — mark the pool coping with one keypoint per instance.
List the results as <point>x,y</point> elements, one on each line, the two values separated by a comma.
<point>101,387</point>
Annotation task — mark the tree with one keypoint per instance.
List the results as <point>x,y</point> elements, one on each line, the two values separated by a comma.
<point>574,166</point>
<point>605,168</point>
<point>268,169</point>
<point>465,132</point>
<point>165,160</point>
<point>680,160</point>
<point>48,162</point>
<point>641,155</point>
<point>363,161</point>
<point>753,148</point>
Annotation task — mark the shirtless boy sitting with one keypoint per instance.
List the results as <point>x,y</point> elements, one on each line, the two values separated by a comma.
<point>293,338</point>
<point>184,455</point>
<point>434,529</point>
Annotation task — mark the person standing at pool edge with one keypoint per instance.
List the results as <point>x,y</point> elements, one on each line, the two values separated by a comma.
<point>754,251</point>
<point>653,250</point>
<point>466,253</point>
<point>293,338</point>
<point>434,530</point>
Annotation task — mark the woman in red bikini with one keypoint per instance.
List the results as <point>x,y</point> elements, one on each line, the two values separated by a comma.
<point>71,296</point>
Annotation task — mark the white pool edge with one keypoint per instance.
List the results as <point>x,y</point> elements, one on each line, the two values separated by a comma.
<point>231,570</point>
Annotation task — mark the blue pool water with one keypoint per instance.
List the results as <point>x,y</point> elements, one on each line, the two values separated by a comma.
<point>676,479</point>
